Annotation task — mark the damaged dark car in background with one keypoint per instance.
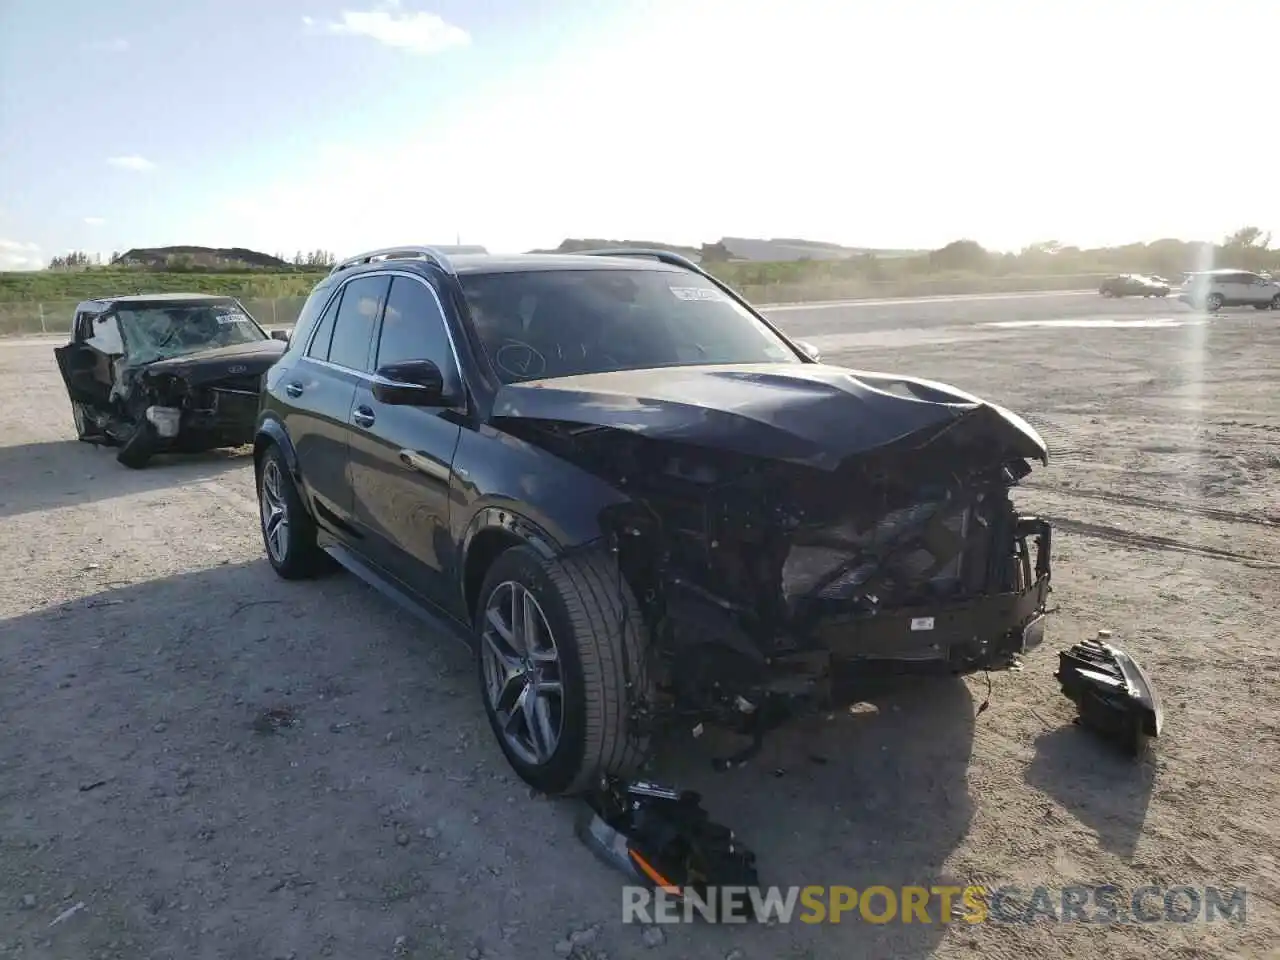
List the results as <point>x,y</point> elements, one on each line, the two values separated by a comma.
<point>158,373</point>
<point>641,504</point>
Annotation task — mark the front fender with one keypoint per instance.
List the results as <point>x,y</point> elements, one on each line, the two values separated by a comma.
<point>502,482</point>
<point>515,525</point>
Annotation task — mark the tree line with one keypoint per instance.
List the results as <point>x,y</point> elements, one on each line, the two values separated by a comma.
<point>184,262</point>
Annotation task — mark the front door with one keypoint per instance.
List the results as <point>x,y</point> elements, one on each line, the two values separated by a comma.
<point>401,456</point>
<point>1260,290</point>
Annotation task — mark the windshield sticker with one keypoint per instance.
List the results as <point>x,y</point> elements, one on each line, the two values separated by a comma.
<point>232,316</point>
<point>696,293</point>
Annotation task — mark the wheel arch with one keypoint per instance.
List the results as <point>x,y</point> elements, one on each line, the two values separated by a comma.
<point>271,431</point>
<point>492,531</point>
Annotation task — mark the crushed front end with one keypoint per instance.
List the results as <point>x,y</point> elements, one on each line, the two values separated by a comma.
<point>763,579</point>
<point>194,411</point>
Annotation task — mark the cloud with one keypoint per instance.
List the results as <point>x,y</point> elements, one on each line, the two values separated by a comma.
<point>139,164</point>
<point>16,255</point>
<point>110,45</point>
<point>417,32</point>
<point>94,221</point>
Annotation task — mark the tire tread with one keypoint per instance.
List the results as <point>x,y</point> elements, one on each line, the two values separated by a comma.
<point>610,637</point>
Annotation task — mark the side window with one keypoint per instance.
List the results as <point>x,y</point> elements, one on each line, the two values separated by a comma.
<point>319,349</point>
<point>362,301</point>
<point>413,328</point>
<point>307,316</point>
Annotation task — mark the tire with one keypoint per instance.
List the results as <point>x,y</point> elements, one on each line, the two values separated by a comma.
<point>1275,302</point>
<point>137,451</point>
<point>1213,303</point>
<point>291,551</point>
<point>599,640</point>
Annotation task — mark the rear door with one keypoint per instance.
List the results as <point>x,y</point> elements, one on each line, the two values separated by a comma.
<point>321,386</point>
<point>402,457</point>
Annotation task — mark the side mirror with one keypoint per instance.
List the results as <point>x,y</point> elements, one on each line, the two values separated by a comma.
<point>281,335</point>
<point>410,383</point>
<point>809,350</point>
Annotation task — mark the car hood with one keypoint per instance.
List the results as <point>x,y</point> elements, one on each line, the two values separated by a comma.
<point>216,363</point>
<point>813,414</point>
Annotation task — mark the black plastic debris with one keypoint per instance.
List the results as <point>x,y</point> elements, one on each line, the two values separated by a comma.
<point>1113,694</point>
<point>663,839</point>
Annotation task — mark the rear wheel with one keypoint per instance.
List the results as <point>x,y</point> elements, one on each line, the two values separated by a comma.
<point>1275,302</point>
<point>560,661</point>
<point>288,531</point>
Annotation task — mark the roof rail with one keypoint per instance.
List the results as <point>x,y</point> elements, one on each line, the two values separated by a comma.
<point>662,256</point>
<point>434,255</point>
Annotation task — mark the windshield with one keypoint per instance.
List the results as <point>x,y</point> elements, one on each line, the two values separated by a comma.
<point>559,323</point>
<point>160,331</point>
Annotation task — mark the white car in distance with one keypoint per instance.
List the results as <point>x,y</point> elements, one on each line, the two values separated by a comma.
<point>1214,289</point>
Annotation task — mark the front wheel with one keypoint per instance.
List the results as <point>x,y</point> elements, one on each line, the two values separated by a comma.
<point>561,663</point>
<point>1213,303</point>
<point>1275,302</point>
<point>139,448</point>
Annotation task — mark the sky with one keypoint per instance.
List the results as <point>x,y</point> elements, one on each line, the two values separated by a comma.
<point>346,125</point>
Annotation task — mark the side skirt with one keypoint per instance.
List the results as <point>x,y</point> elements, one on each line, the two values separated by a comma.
<point>421,608</point>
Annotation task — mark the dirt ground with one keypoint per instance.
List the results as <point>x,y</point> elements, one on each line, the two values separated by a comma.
<point>144,642</point>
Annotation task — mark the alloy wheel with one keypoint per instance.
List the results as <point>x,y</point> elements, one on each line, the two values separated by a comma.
<point>275,511</point>
<point>522,674</point>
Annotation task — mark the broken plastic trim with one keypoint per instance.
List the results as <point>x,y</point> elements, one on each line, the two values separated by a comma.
<point>1113,694</point>
<point>663,839</point>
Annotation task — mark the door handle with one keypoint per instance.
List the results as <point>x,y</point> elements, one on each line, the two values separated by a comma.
<point>425,465</point>
<point>293,388</point>
<point>362,417</point>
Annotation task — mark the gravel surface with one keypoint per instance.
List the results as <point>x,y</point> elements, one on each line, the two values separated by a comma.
<point>199,760</point>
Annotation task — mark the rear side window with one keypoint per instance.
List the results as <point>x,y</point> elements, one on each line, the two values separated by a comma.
<point>308,315</point>
<point>319,349</point>
<point>362,302</point>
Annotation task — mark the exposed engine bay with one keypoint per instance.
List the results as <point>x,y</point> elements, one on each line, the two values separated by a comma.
<point>756,576</point>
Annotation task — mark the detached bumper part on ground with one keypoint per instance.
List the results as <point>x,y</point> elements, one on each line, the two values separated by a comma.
<point>662,839</point>
<point>1115,697</point>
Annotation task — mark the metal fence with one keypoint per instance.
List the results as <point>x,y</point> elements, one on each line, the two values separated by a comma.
<point>33,317</point>
<point>55,316</point>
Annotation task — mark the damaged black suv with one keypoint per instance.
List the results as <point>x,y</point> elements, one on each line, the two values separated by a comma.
<point>640,502</point>
<point>165,372</point>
